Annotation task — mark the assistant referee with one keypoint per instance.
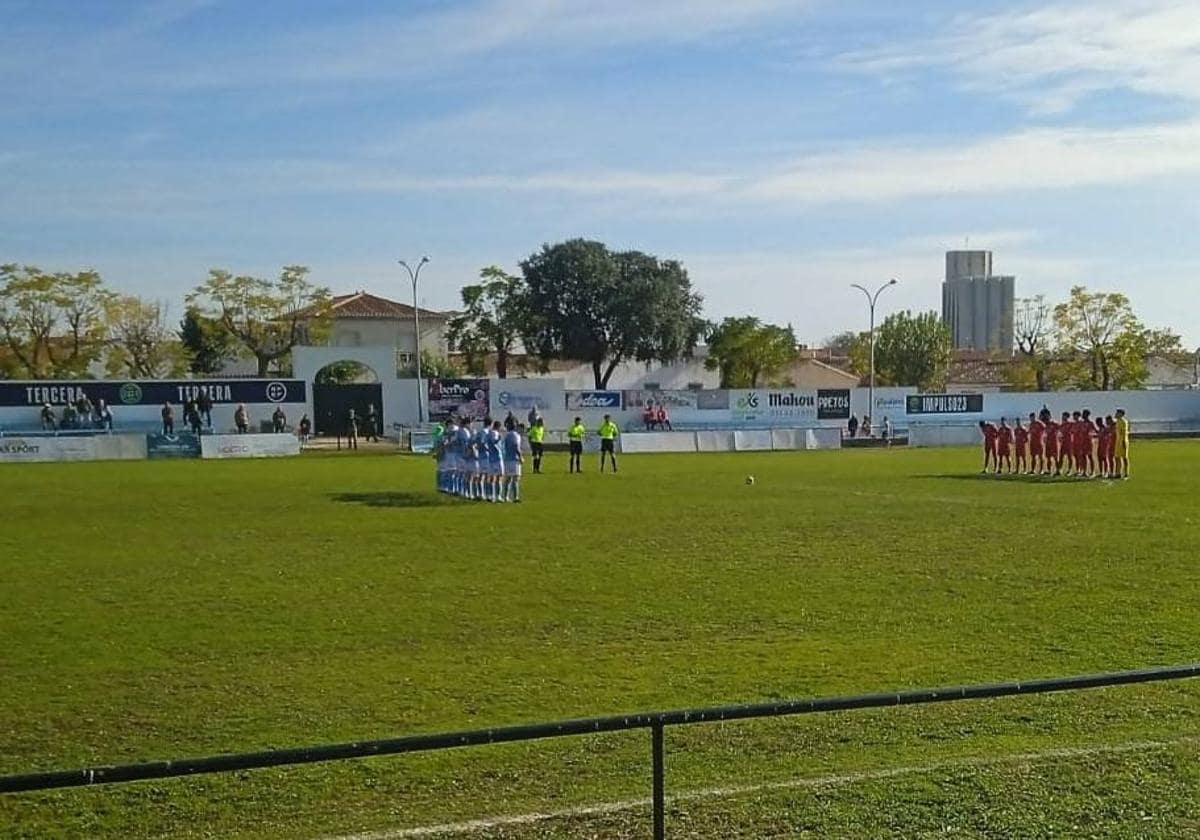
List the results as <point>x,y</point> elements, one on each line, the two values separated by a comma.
<point>575,441</point>
<point>608,441</point>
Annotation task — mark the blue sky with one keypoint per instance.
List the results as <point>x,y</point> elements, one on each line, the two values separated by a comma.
<point>781,150</point>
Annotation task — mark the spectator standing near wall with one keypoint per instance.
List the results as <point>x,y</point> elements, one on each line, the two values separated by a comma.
<point>305,429</point>
<point>83,408</point>
<point>104,418</point>
<point>278,420</point>
<point>241,419</point>
<point>192,419</point>
<point>852,426</point>
<point>168,419</point>
<point>191,414</point>
<point>351,430</point>
<point>372,423</point>
<point>204,405</point>
<point>49,421</point>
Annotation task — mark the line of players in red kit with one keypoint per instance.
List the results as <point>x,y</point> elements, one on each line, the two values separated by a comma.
<point>1075,445</point>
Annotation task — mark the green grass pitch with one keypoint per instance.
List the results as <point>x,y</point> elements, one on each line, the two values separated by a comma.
<point>158,610</point>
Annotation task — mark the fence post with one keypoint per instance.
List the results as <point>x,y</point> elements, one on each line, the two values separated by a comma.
<point>659,801</point>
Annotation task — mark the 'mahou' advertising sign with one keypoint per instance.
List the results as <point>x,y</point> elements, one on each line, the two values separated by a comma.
<point>791,405</point>
<point>945,404</point>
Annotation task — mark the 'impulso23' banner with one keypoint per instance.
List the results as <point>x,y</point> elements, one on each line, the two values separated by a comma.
<point>461,397</point>
<point>153,392</point>
<point>945,404</point>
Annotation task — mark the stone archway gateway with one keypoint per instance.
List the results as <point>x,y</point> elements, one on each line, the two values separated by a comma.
<point>344,385</point>
<point>331,401</point>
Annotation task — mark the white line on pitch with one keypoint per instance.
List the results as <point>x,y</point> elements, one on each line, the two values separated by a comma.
<point>608,808</point>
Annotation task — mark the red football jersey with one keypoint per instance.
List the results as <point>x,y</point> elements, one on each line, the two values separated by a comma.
<point>990,434</point>
<point>1036,430</point>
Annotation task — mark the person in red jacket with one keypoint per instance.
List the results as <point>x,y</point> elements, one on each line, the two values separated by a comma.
<point>990,435</point>
<point>1037,444</point>
<point>1021,441</point>
<point>1004,442</point>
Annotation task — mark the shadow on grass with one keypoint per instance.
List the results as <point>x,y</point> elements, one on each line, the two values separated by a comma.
<point>1023,479</point>
<point>391,499</point>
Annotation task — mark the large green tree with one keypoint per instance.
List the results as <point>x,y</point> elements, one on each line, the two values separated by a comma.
<point>207,343</point>
<point>909,350</point>
<point>490,321</point>
<point>748,352</point>
<point>267,317</point>
<point>53,324</point>
<point>585,302</point>
<point>1108,344</point>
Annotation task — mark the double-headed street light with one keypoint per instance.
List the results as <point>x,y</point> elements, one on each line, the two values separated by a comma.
<point>872,299</point>
<point>415,275</point>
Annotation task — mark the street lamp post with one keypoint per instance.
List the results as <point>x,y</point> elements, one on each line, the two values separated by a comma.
<point>415,276</point>
<point>872,299</point>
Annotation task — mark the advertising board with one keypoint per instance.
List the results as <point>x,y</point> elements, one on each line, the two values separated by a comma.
<point>16,450</point>
<point>833,404</point>
<point>944,404</point>
<point>182,445</point>
<point>152,392</point>
<point>461,397</point>
<point>249,446</point>
<point>578,400</point>
<point>637,400</point>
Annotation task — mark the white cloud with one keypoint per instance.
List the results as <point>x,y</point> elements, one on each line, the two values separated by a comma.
<point>1040,159</point>
<point>1053,56</point>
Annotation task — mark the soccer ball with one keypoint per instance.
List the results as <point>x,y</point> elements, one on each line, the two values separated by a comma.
<point>749,481</point>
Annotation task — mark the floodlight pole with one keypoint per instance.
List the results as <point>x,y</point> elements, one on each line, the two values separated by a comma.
<point>872,299</point>
<point>415,276</point>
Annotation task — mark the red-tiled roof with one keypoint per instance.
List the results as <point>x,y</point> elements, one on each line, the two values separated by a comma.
<point>367,305</point>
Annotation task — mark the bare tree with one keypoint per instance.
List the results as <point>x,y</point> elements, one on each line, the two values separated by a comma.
<point>1032,329</point>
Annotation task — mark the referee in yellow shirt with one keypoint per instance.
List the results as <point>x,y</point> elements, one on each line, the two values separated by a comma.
<point>608,441</point>
<point>537,435</point>
<point>575,443</point>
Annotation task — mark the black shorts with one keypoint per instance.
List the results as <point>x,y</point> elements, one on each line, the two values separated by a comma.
<point>576,447</point>
<point>606,445</point>
<point>536,449</point>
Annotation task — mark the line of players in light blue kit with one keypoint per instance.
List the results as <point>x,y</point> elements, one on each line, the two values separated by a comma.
<point>483,464</point>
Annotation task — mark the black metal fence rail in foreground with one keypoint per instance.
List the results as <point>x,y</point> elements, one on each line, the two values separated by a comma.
<point>656,722</point>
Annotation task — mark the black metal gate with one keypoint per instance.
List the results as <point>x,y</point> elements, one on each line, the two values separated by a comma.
<point>332,404</point>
